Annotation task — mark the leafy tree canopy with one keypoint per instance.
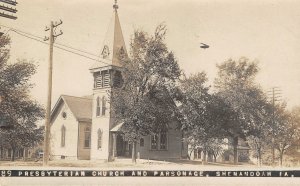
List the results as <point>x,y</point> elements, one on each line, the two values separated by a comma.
<point>146,101</point>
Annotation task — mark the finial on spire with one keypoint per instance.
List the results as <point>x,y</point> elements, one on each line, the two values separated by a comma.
<point>115,6</point>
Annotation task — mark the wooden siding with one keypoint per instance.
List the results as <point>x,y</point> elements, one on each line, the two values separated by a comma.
<point>69,151</point>
<point>83,152</point>
<point>175,148</point>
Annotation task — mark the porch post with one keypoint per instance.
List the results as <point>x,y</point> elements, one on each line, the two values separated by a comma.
<point>114,147</point>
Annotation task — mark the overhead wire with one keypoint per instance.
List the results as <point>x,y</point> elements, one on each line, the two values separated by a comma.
<point>34,37</point>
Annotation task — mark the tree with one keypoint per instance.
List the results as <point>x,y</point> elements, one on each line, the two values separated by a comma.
<point>244,99</point>
<point>286,129</point>
<point>201,113</point>
<point>16,108</point>
<point>216,147</point>
<point>259,138</point>
<point>145,102</point>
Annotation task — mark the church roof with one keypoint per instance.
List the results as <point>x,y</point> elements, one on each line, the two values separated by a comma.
<point>113,44</point>
<point>81,107</point>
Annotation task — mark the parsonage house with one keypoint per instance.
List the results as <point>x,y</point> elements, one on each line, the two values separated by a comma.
<point>82,128</point>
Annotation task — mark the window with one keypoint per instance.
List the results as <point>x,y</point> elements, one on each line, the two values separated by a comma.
<point>159,141</point>
<point>142,142</point>
<point>100,138</point>
<point>103,106</point>
<point>87,137</point>
<point>63,136</point>
<point>154,140</point>
<point>98,107</point>
<point>163,140</point>
<point>105,52</point>
<point>64,115</point>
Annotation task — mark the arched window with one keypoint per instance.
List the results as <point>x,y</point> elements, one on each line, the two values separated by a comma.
<point>100,133</point>
<point>87,137</point>
<point>98,107</point>
<point>103,106</point>
<point>63,136</point>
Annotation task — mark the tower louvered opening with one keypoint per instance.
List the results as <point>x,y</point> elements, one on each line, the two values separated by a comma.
<point>106,80</point>
<point>117,81</point>
<point>98,81</point>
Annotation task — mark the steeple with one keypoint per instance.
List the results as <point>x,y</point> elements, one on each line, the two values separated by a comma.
<point>113,45</point>
<point>108,73</point>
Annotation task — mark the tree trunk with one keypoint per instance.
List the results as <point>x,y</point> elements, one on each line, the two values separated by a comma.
<point>259,158</point>
<point>1,154</point>
<point>204,156</point>
<point>215,158</point>
<point>235,150</point>
<point>281,157</point>
<point>13,154</point>
<point>134,152</point>
<point>190,155</point>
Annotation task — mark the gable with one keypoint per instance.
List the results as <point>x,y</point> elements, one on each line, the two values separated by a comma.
<point>81,107</point>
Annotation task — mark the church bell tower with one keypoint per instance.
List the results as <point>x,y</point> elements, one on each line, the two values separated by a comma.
<point>107,75</point>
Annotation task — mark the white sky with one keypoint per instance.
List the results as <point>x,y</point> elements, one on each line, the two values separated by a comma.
<point>267,30</point>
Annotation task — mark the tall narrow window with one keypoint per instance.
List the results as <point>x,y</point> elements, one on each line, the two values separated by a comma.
<point>103,106</point>
<point>154,140</point>
<point>100,138</point>
<point>98,107</point>
<point>163,140</point>
<point>87,137</point>
<point>142,142</point>
<point>63,136</point>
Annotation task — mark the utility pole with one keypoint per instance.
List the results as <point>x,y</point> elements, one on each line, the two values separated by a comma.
<point>275,93</point>
<point>51,39</point>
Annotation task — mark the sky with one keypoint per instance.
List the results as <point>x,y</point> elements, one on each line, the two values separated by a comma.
<point>267,31</point>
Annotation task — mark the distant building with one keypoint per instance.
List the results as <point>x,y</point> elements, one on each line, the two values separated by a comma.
<point>83,128</point>
<point>226,154</point>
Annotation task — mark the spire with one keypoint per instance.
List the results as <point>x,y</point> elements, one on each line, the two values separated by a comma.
<point>113,44</point>
<point>119,47</point>
<point>115,6</point>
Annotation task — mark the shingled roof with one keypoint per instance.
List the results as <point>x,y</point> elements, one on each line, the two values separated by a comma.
<point>81,107</point>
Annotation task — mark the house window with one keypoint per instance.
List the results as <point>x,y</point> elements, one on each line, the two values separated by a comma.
<point>154,140</point>
<point>163,140</point>
<point>87,137</point>
<point>63,136</point>
<point>98,107</point>
<point>159,141</point>
<point>142,142</point>
<point>100,133</point>
<point>103,106</point>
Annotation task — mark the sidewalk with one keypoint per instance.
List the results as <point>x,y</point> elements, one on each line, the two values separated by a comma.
<point>125,163</point>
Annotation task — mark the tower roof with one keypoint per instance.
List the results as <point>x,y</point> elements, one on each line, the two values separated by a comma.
<point>113,44</point>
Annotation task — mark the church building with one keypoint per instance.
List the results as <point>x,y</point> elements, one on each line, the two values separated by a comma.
<point>83,128</point>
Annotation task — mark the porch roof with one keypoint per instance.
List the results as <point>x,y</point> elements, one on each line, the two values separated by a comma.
<point>117,128</point>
